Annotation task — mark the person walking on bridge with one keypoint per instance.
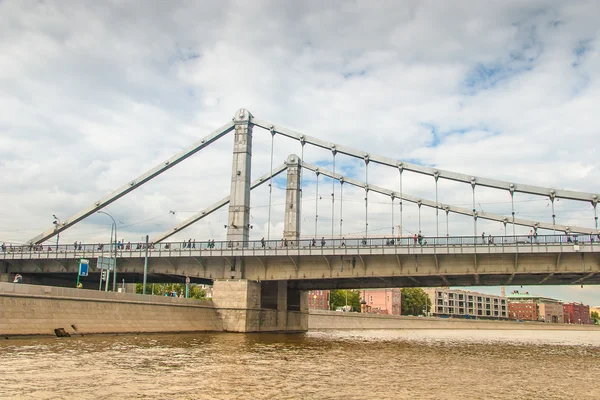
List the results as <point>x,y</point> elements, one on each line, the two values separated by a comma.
<point>323,241</point>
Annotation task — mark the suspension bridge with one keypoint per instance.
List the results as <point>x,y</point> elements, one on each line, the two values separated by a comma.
<point>551,254</point>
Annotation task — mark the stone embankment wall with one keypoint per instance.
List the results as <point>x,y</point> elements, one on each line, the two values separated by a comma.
<point>38,310</point>
<point>334,320</point>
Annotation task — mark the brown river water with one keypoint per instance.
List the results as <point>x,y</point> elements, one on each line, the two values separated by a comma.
<point>393,364</point>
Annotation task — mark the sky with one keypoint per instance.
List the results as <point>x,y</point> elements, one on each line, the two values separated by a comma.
<point>93,94</point>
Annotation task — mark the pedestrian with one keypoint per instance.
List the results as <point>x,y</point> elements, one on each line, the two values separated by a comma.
<point>285,243</point>
<point>190,243</point>
<point>3,247</point>
<point>75,245</point>
<point>343,242</point>
<point>415,240</point>
<point>194,244</point>
<point>482,237</point>
<point>262,242</point>
<point>420,238</point>
<point>323,241</point>
<point>18,279</point>
<point>313,243</point>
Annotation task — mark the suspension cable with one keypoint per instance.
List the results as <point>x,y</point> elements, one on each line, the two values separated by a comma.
<point>270,185</point>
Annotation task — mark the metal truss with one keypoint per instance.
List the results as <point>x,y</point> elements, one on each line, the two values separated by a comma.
<point>434,172</point>
<point>215,206</point>
<point>448,208</point>
<point>135,183</point>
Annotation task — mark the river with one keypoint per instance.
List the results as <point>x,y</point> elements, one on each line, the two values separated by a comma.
<point>393,364</point>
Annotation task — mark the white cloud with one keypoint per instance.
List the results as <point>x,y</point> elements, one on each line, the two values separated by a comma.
<point>94,94</point>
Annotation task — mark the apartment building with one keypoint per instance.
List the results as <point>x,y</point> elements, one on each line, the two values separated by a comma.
<point>462,303</point>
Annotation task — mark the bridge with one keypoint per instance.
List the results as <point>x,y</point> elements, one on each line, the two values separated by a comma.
<point>551,254</point>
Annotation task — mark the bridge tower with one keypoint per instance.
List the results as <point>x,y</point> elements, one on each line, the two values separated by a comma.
<point>239,204</point>
<point>291,228</point>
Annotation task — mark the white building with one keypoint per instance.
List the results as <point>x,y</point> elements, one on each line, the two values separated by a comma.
<point>460,303</point>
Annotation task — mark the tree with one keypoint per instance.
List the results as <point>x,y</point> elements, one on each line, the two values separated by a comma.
<point>159,289</point>
<point>338,299</point>
<point>594,316</point>
<point>414,301</point>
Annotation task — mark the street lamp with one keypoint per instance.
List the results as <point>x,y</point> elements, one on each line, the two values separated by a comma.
<point>56,223</point>
<point>115,228</point>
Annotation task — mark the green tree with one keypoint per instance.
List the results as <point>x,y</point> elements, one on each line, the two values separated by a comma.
<point>595,317</point>
<point>159,289</point>
<point>338,299</point>
<point>414,301</point>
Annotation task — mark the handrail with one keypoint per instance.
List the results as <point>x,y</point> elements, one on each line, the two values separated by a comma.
<point>182,248</point>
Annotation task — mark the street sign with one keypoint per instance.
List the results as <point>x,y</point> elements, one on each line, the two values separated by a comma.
<point>84,266</point>
<point>106,263</point>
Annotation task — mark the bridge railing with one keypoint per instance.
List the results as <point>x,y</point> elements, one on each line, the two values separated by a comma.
<point>81,250</point>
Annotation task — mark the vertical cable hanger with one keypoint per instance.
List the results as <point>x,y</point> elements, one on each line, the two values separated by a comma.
<point>341,205</point>
<point>512,202</point>
<point>270,183</point>
<point>302,143</point>
<point>594,204</point>
<point>392,196</point>
<point>473,184</point>
<point>552,196</point>
<point>366,158</point>
<point>400,169</point>
<point>447,209</point>
<point>436,176</point>
<point>419,205</point>
<point>333,151</point>
<point>317,202</point>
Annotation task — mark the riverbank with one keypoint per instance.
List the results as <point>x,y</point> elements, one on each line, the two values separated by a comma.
<point>334,320</point>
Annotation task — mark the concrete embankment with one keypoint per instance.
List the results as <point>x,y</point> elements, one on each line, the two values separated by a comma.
<point>39,310</point>
<point>333,320</point>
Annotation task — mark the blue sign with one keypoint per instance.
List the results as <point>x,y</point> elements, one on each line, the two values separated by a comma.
<point>84,266</point>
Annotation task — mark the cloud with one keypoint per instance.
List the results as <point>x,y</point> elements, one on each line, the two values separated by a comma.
<point>94,94</point>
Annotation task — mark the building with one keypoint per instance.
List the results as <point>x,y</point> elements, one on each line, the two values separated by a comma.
<point>534,308</point>
<point>522,310</point>
<point>382,301</point>
<point>463,303</point>
<point>318,299</point>
<point>576,313</point>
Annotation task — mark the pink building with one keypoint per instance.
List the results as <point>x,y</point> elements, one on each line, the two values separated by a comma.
<point>382,301</point>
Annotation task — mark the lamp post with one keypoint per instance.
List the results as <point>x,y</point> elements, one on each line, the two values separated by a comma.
<point>115,271</point>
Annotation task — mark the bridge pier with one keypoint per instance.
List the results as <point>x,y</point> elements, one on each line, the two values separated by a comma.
<point>251,306</point>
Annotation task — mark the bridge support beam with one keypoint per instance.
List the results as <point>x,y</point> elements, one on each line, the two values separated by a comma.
<point>251,306</point>
<point>238,223</point>
<point>291,228</point>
